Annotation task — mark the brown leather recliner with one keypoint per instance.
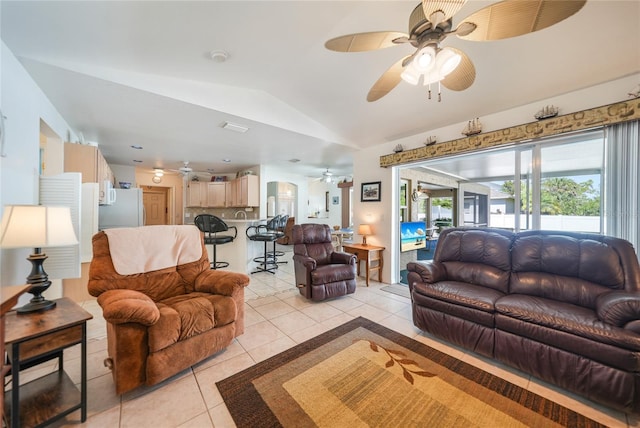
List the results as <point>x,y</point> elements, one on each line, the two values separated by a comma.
<point>166,310</point>
<point>321,272</point>
<point>287,239</point>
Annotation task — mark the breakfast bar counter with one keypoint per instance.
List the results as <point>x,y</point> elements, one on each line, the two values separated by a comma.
<point>241,251</point>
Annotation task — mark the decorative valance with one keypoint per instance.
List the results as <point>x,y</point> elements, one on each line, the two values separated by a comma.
<point>586,119</point>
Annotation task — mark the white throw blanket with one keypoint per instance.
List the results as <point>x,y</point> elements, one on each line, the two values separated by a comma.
<point>148,248</point>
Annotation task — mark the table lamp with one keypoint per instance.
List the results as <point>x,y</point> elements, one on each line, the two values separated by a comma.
<point>364,230</point>
<point>36,226</point>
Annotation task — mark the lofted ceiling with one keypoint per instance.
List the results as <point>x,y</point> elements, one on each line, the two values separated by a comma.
<point>141,73</point>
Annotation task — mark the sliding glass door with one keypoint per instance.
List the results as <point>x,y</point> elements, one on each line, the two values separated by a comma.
<point>549,184</point>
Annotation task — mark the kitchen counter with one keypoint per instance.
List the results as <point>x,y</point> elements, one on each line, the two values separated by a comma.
<point>241,251</point>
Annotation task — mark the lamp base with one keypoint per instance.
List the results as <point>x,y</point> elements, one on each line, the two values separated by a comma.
<point>39,281</point>
<point>43,305</point>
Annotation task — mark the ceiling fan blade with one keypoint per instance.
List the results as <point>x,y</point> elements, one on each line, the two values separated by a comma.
<point>513,18</point>
<point>463,75</point>
<point>362,42</point>
<point>448,7</point>
<point>386,82</point>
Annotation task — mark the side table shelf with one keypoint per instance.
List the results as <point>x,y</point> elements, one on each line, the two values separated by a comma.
<point>37,337</point>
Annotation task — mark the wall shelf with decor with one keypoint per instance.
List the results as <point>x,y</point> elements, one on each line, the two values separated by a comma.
<point>344,184</point>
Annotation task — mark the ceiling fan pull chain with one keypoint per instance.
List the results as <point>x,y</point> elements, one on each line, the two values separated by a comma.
<point>439,92</point>
<point>429,90</point>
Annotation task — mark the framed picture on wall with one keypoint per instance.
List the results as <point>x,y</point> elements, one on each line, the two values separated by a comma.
<point>370,192</point>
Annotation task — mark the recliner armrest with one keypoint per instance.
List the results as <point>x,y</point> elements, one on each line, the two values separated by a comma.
<point>343,258</point>
<point>306,261</point>
<point>124,306</point>
<point>220,282</point>
<point>429,272</point>
<point>619,308</point>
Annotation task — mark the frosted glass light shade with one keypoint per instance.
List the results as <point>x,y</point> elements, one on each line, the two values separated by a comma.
<point>36,226</point>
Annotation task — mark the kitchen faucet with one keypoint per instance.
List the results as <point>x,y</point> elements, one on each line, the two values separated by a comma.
<point>244,213</point>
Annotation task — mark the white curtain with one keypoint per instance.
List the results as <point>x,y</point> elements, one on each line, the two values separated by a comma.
<point>622,182</point>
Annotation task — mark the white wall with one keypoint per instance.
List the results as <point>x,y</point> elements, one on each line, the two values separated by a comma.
<point>383,215</point>
<point>24,105</point>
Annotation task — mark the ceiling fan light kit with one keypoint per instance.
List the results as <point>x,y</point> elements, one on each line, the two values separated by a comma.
<point>432,21</point>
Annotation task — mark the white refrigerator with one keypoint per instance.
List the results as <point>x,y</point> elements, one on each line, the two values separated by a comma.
<point>126,211</point>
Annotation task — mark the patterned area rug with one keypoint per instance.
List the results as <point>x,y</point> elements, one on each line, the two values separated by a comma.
<point>363,374</point>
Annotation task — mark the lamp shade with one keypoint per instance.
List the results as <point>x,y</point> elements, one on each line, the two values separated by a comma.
<point>365,230</point>
<point>36,226</point>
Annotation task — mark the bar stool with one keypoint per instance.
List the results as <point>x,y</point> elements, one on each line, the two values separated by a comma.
<point>212,226</point>
<point>261,233</point>
<point>276,226</point>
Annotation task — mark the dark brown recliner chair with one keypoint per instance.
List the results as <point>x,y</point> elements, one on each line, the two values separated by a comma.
<point>321,272</point>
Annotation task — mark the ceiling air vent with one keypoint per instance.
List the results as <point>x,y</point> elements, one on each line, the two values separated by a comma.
<point>234,127</point>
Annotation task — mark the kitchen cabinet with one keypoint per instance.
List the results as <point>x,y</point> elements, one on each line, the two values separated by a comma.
<point>244,192</point>
<point>197,194</point>
<point>88,161</point>
<point>238,193</point>
<point>216,194</point>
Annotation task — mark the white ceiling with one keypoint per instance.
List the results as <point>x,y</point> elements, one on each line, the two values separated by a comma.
<point>139,73</point>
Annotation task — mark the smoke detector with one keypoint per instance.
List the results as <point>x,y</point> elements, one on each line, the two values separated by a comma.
<point>219,56</point>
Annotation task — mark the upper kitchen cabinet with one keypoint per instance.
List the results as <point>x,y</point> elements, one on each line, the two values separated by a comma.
<point>216,194</point>
<point>197,194</point>
<point>243,192</point>
<point>249,191</point>
<point>88,161</point>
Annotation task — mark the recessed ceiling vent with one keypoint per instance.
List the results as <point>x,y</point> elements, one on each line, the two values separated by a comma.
<point>234,127</point>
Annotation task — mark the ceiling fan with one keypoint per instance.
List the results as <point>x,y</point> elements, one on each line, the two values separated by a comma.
<point>327,176</point>
<point>185,170</point>
<point>431,22</point>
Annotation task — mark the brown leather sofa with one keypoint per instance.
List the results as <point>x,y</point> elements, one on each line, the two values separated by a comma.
<point>321,272</point>
<point>562,306</point>
<point>162,320</point>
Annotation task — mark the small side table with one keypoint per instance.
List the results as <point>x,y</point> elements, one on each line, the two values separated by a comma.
<point>370,254</point>
<point>32,339</point>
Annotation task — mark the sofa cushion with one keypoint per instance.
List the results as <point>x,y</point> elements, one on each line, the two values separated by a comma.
<point>189,315</point>
<point>565,317</point>
<point>476,256</point>
<point>565,268</point>
<point>472,296</point>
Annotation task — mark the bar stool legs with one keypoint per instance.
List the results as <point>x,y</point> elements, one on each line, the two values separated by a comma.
<point>266,263</point>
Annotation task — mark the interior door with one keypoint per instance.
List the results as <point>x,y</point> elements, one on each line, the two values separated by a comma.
<point>155,206</point>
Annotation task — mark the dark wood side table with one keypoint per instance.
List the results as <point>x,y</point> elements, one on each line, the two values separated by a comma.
<point>370,254</point>
<point>32,339</point>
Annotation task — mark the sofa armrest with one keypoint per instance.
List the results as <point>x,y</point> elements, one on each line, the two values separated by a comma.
<point>343,258</point>
<point>220,282</point>
<point>429,272</point>
<point>124,306</point>
<point>619,308</point>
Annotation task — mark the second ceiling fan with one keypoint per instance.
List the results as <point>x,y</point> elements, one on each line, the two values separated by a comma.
<point>431,22</point>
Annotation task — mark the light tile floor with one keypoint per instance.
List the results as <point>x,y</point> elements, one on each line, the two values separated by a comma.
<point>277,318</point>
